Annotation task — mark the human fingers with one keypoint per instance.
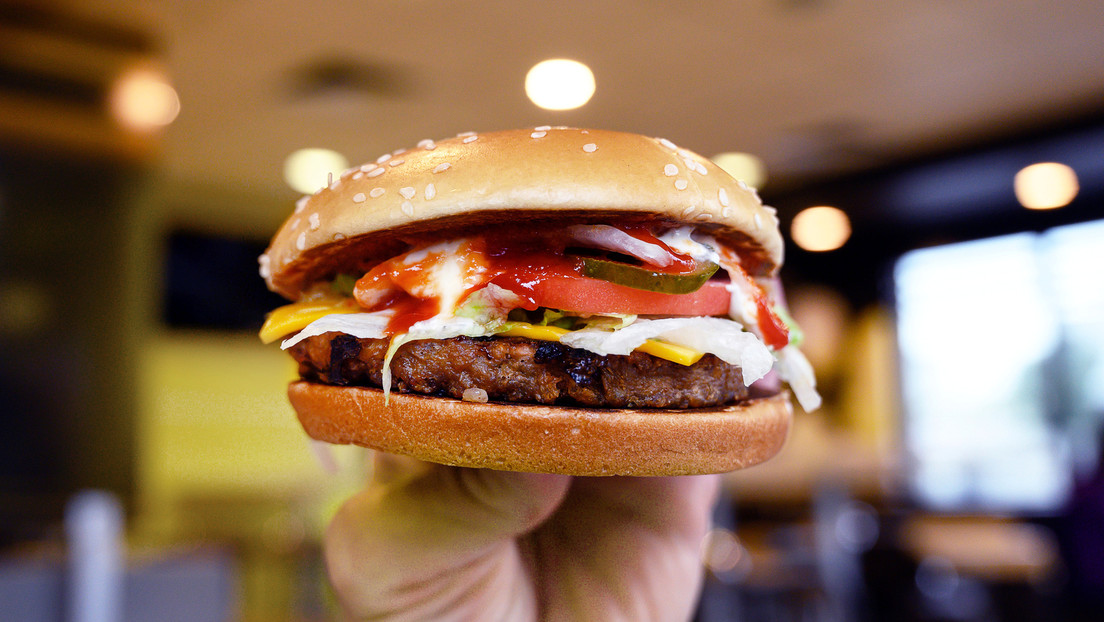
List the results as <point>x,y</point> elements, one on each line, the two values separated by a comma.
<point>625,548</point>
<point>435,542</point>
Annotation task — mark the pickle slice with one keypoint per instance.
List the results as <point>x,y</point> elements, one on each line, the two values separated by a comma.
<point>649,280</point>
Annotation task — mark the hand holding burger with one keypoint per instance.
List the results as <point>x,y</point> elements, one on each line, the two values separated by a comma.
<point>431,542</point>
<point>567,301</point>
<point>552,301</point>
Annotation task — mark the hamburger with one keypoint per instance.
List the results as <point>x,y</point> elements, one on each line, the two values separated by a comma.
<point>554,300</point>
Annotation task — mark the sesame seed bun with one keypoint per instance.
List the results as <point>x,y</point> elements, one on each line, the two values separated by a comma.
<point>547,439</point>
<point>536,179</point>
<point>537,176</point>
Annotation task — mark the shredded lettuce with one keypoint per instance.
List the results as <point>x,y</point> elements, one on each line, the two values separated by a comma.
<point>488,306</point>
<point>359,325</point>
<point>795,369</point>
<point>724,338</point>
<point>608,322</point>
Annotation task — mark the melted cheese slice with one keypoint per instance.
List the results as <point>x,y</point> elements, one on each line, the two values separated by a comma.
<point>296,316</point>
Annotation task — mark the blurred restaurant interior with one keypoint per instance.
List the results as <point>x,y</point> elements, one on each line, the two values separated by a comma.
<point>938,169</point>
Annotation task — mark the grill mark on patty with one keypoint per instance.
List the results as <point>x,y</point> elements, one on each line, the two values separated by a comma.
<point>342,348</point>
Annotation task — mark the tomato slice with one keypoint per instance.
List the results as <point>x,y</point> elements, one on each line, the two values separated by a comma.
<point>581,294</point>
<point>775,332</point>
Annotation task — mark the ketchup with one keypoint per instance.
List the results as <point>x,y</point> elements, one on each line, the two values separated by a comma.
<point>775,332</point>
<point>518,263</point>
<point>682,264</point>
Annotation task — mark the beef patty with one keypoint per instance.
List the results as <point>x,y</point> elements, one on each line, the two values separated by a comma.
<point>517,369</point>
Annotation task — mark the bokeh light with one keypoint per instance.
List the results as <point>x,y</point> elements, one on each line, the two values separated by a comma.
<point>143,100</point>
<point>821,228</point>
<point>1046,185</point>
<point>308,170</point>
<point>743,166</point>
<point>560,84</point>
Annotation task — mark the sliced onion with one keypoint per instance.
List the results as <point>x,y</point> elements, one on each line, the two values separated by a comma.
<point>614,239</point>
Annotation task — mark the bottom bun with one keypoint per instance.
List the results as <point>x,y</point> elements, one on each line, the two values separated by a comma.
<point>546,439</point>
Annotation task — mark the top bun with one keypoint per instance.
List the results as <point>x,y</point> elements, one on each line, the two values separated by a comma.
<point>538,177</point>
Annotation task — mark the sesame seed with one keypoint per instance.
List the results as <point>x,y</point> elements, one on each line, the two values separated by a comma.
<point>699,168</point>
<point>368,167</point>
<point>398,151</point>
<point>301,241</point>
<point>758,221</point>
<point>470,139</point>
<point>315,221</point>
<point>685,154</point>
<point>359,197</point>
<point>538,134</point>
<point>681,184</point>
<point>727,212</point>
<point>407,192</point>
<point>338,237</point>
<point>590,147</point>
<point>462,134</point>
<point>670,170</point>
<point>427,144</point>
<point>357,175</point>
<point>407,208</point>
<point>688,212</point>
<point>722,196</point>
<point>475,394</point>
<point>335,184</point>
<point>301,204</point>
<point>444,166</point>
<point>543,128</point>
<point>430,191</point>
<point>383,158</point>
<point>376,193</point>
<point>395,162</point>
<point>329,180</point>
<point>376,172</point>
<point>266,267</point>
<point>705,216</point>
<point>295,223</point>
<point>743,185</point>
<point>666,143</point>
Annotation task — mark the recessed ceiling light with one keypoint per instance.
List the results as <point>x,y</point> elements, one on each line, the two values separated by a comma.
<point>1046,185</point>
<point>821,228</point>
<point>143,100</point>
<point>559,84</point>
<point>308,170</point>
<point>743,166</point>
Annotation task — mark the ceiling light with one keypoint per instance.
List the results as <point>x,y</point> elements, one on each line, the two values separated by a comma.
<point>308,170</point>
<point>143,100</point>
<point>1045,185</point>
<point>559,84</point>
<point>743,166</point>
<point>821,228</point>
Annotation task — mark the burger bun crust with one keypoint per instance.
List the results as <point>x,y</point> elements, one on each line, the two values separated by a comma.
<point>546,439</point>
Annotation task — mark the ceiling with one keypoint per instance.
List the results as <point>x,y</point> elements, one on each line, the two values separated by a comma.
<point>816,88</point>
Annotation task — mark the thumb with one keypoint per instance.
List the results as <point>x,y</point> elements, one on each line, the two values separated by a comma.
<point>407,539</point>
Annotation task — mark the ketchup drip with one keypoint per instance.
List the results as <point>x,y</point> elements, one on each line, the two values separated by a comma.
<point>409,311</point>
<point>519,263</point>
